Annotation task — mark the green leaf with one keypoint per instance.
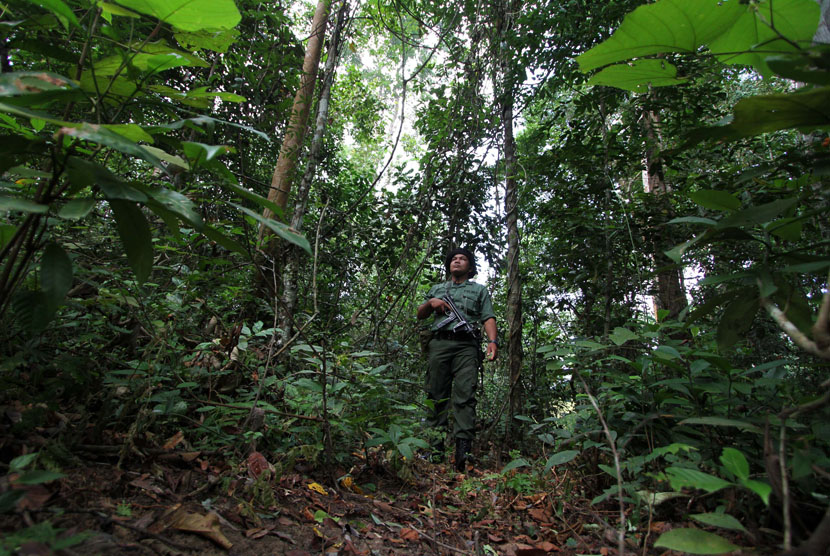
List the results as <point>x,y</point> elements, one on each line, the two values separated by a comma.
<point>680,477</point>
<point>734,461</point>
<point>103,136</point>
<point>32,83</point>
<point>516,463</point>
<point>761,489</point>
<point>715,199</point>
<point>666,352</point>
<point>751,38</point>
<point>176,203</point>
<point>217,40</point>
<point>85,173</point>
<point>283,230</point>
<point>37,477</point>
<point>622,335</point>
<point>136,237</point>
<point>115,9</point>
<point>55,274</point>
<point>638,76</point>
<point>737,319</point>
<point>693,220</point>
<point>21,205</point>
<point>805,109</point>
<point>560,458</point>
<point>724,521</point>
<point>20,463</point>
<point>76,209</point>
<point>133,132</point>
<point>665,26</point>
<point>189,15</point>
<point>721,422</point>
<point>694,541</point>
<point>64,13</point>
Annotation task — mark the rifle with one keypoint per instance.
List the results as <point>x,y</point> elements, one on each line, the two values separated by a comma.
<point>455,314</point>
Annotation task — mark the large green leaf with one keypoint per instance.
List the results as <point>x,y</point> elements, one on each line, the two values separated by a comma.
<point>135,235</point>
<point>715,199</point>
<point>724,521</point>
<point>32,82</point>
<point>103,136</point>
<point>177,203</point>
<point>189,15</point>
<point>806,109</point>
<point>665,26</point>
<point>752,37</point>
<point>694,541</point>
<point>758,215</point>
<point>761,489</point>
<point>721,422</point>
<point>638,76</point>
<point>231,245</point>
<point>735,462</point>
<point>286,232</point>
<point>560,458</point>
<point>217,40</point>
<point>55,274</point>
<point>680,477</point>
<point>57,7</point>
<point>76,208</point>
<point>8,203</point>
<point>85,173</point>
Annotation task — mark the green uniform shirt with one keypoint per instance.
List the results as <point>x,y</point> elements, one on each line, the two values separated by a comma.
<point>472,300</point>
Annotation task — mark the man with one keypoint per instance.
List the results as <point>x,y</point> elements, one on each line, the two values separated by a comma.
<point>454,355</point>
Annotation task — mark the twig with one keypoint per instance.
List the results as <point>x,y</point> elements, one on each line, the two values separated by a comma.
<point>439,543</point>
<point>617,467</point>
<point>139,530</point>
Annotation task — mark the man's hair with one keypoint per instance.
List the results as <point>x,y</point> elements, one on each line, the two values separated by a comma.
<point>466,253</point>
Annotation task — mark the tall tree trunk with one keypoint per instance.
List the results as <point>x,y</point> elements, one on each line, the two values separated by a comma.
<point>295,132</point>
<point>670,293</point>
<point>291,272</point>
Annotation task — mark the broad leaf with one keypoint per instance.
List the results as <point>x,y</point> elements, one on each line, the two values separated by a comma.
<point>622,335</point>
<point>217,40</point>
<point>32,82</point>
<point>694,541</point>
<point>735,462</point>
<point>638,76</point>
<point>136,237</point>
<point>516,463</point>
<point>189,15</point>
<point>680,477</point>
<point>57,7</point>
<point>761,489</point>
<point>724,521</point>
<point>21,205</point>
<point>286,232</point>
<point>665,26</point>
<point>560,458</point>
<point>231,245</point>
<point>751,38</point>
<point>103,136</point>
<point>38,476</point>
<point>715,199</point>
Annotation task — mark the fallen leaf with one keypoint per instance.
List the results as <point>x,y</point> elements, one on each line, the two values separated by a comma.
<point>524,550</point>
<point>308,515</point>
<point>205,525</point>
<point>549,546</point>
<point>316,487</point>
<point>495,538</point>
<point>409,534</point>
<point>35,498</point>
<point>257,532</point>
<point>538,514</point>
<point>173,441</point>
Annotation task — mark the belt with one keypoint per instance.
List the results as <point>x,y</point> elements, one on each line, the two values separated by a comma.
<point>456,336</point>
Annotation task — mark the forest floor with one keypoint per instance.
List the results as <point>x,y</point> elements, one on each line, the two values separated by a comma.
<point>182,503</point>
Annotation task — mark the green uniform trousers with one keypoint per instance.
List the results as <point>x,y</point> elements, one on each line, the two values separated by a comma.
<point>452,377</point>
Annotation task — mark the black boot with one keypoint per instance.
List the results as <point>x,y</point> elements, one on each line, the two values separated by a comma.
<point>462,453</point>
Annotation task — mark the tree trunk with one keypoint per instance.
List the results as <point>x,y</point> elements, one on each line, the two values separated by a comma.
<point>291,272</point>
<point>514,282</point>
<point>670,294</point>
<point>295,132</point>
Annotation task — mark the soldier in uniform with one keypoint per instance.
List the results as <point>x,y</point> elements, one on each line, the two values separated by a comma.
<point>454,355</point>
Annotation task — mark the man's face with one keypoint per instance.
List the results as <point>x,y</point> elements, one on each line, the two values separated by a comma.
<point>459,265</point>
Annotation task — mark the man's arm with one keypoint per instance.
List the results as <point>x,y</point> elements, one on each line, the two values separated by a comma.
<point>491,331</point>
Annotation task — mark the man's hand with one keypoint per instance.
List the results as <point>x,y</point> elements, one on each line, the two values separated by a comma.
<point>439,306</point>
<point>492,351</point>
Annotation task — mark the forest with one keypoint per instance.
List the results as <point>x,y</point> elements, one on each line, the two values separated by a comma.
<point>218,219</point>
